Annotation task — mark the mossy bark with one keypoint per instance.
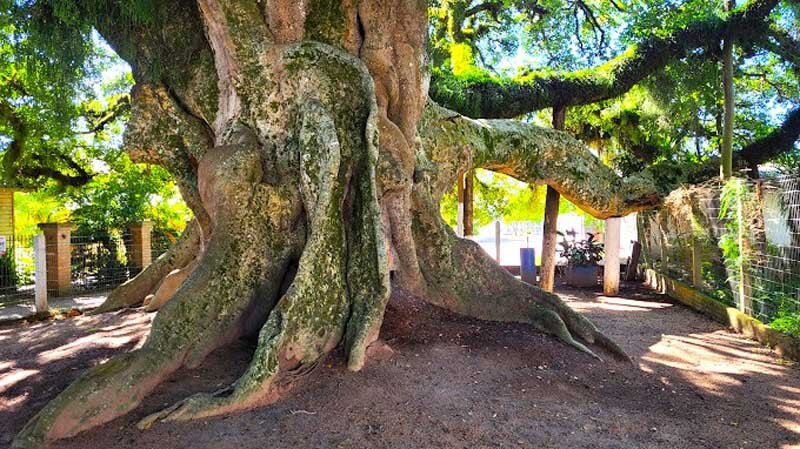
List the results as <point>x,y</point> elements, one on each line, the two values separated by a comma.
<point>303,140</point>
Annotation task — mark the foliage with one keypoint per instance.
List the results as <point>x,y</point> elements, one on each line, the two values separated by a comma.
<point>39,206</point>
<point>127,193</point>
<point>500,197</point>
<point>581,253</point>
<point>8,271</point>
<point>731,199</point>
<point>787,321</point>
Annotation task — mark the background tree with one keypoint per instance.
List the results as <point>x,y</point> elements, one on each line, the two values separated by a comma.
<point>302,138</point>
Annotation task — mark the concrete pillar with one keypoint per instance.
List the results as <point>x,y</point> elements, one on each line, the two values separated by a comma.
<point>611,268</point>
<point>497,241</point>
<point>140,252</point>
<point>40,275</point>
<point>58,252</point>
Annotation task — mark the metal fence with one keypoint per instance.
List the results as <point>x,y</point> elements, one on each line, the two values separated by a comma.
<point>96,262</point>
<point>738,241</point>
<point>17,271</point>
<point>99,262</point>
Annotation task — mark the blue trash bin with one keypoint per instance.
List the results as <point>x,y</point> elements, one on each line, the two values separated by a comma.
<point>527,265</point>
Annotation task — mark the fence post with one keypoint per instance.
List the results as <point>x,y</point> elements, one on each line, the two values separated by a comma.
<point>697,263</point>
<point>58,248</point>
<point>745,300</point>
<point>497,241</point>
<point>40,273</point>
<point>141,248</point>
<point>611,268</point>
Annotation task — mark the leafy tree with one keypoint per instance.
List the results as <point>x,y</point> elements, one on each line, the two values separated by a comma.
<point>303,140</point>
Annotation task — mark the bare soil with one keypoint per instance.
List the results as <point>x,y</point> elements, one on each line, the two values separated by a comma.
<point>450,382</point>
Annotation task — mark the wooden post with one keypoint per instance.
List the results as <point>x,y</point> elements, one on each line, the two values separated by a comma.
<point>57,238</point>
<point>497,241</point>
<point>550,228</point>
<point>633,264</point>
<point>469,206</point>
<point>40,273</point>
<point>140,245</point>
<point>611,269</point>
<point>460,213</point>
<point>697,263</point>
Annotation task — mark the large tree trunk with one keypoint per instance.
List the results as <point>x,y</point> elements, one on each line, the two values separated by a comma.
<point>302,138</point>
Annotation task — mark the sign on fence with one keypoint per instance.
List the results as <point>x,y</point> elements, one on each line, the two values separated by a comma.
<point>3,245</point>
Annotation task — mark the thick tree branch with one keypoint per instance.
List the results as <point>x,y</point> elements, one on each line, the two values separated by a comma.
<point>776,143</point>
<point>533,155</point>
<point>504,98</point>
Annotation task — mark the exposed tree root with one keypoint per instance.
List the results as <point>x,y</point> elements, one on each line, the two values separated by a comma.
<point>461,277</point>
<point>168,287</point>
<point>133,292</point>
<point>311,318</point>
<point>203,314</point>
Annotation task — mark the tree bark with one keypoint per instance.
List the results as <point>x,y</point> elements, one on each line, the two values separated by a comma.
<point>726,168</point>
<point>490,97</point>
<point>302,139</point>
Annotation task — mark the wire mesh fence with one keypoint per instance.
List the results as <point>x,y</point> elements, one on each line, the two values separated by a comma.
<point>99,262</point>
<point>159,244</point>
<point>738,241</point>
<point>16,270</point>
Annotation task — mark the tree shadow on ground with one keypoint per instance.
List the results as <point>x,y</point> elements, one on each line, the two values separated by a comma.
<point>454,382</point>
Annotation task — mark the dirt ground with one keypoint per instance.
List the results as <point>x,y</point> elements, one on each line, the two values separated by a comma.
<point>450,383</point>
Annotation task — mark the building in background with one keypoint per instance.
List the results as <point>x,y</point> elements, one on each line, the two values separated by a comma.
<point>6,219</point>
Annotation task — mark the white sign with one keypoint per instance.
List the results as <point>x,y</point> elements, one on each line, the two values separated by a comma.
<point>3,246</point>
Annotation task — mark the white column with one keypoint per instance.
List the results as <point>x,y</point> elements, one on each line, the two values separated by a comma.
<point>460,220</point>
<point>497,241</point>
<point>40,263</point>
<point>611,269</point>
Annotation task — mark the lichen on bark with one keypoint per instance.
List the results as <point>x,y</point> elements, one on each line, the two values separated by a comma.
<point>309,165</point>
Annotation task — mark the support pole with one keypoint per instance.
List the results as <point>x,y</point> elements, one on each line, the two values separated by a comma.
<point>469,206</point>
<point>633,264</point>
<point>497,241</point>
<point>611,269</point>
<point>40,273</point>
<point>697,263</point>
<point>460,213</point>
<point>550,229</point>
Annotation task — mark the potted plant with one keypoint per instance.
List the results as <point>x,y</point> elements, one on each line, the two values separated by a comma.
<point>582,257</point>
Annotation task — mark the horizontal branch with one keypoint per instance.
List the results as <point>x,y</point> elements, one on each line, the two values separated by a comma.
<point>490,97</point>
<point>534,155</point>
<point>774,144</point>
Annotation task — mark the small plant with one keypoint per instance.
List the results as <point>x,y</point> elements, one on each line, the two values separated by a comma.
<point>787,322</point>
<point>581,253</point>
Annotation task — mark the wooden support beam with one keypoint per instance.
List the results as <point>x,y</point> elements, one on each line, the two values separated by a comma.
<point>460,213</point>
<point>550,229</point>
<point>469,206</point>
<point>697,263</point>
